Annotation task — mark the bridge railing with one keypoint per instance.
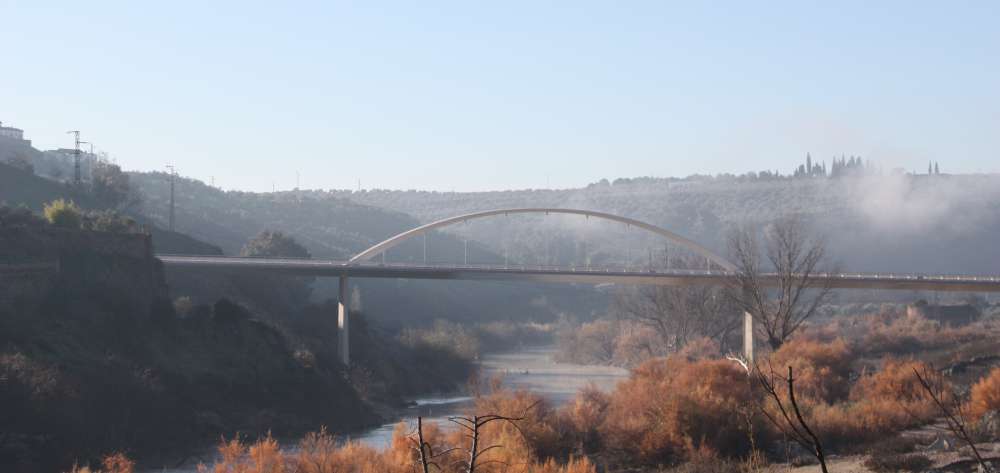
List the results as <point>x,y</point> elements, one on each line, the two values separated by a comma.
<point>604,269</point>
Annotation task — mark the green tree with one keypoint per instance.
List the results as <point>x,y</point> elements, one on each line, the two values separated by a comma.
<point>63,214</point>
<point>279,292</point>
<point>111,186</point>
<point>274,244</point>
<point>109,221</point>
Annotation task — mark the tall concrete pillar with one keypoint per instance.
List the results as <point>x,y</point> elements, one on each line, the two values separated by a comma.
<point>748,336</point>
<point>343,316</point>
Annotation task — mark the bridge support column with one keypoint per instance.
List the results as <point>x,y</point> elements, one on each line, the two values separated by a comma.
<point>748,337</point>
<point>343,318</point>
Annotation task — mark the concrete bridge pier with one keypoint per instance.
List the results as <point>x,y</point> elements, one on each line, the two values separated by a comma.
<point>748,337</point>
<point>343,318</point>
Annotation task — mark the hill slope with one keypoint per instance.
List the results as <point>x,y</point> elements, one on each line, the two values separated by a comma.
<point>941,223</point>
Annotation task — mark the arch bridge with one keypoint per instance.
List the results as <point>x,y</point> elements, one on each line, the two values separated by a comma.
<point>361,266</point>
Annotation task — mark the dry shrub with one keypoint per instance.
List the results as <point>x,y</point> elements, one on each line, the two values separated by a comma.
<point>528,444</point>
<point>896,332</point>
<point>38,380</point>
<point>985,395</point>
<point>574,465</point>
<point>582,417</point>
<point>113,463</point>
<point>713,465</point>
<point>821,368</point>
<point>673,408</point>
<point>636,344</point>
<point>897,462</point>
<point>904,333</point>
<point>888,401</point>
<point>592,343</point>
<point>701,349</point>
<point>534,436</point>
<point>317,453</point>
<point>896,388</point>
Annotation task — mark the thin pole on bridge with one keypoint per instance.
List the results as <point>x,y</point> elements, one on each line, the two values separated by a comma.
<point>506,246</point>
<point>628,249</point>
<point>425,247</point>
<point>466,251</point>
<point>343,321</point>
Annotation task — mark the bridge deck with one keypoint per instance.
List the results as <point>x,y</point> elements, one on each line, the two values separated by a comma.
<point>634,275</point>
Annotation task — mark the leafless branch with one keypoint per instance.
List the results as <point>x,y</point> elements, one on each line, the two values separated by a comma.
<point>952,412</point>
<point>786,294</point>
<point>797,429</point>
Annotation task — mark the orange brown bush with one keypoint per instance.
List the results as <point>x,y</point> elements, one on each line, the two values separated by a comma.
<point>320,452</point>
<point>113,463</point>
<point>821,368</point>
<point>888,401</point>
<point>674,409</point>
<point>985,394</point>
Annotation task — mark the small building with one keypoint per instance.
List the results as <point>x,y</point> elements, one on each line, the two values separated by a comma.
<point>13,133</point>
<point>947,315</point>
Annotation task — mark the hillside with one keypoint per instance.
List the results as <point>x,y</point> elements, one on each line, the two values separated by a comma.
<point>335,227</point>
<point>96,359</point>
<point>212,221</point>
<point>940,223</point>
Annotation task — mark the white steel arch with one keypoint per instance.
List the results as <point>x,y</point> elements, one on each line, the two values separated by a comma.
<point>675,238</point>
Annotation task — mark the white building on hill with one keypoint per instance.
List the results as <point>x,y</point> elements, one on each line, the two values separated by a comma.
<point>13,133</point>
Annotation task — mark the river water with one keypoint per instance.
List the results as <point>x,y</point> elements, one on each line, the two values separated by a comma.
<point>532,369</point>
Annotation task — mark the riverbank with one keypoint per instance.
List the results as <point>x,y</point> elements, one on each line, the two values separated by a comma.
<point>533,369</point>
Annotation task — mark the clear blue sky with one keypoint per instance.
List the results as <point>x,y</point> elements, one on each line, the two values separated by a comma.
<point>500,95</point>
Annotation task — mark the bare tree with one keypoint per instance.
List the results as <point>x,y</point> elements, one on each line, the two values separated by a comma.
<point>949,404</point>
<point>789,421</point>
<point>779,289</point>
<point>474,428</point>
<point>680,314</point>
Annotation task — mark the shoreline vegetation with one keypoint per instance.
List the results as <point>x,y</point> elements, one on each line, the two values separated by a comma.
<point>692,411</point>
<point>103,345</point>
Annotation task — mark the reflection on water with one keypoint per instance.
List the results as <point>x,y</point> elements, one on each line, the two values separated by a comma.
<point>531,369</point>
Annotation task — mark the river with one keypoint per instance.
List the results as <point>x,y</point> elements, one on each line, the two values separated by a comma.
<point>532,369</point>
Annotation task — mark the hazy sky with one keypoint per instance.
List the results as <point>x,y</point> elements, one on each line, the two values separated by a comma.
<point>478,95</point>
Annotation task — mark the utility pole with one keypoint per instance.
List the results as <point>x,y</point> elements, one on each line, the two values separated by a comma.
<point>173,173</point>
<point>93,159</point>
<point>76,156</point>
